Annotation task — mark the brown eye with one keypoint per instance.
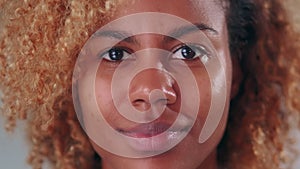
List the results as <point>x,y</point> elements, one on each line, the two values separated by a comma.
<point>189,52</point>
<point>115,54</point>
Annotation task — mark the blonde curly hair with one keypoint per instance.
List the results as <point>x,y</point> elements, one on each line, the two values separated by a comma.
<point>40,44</point>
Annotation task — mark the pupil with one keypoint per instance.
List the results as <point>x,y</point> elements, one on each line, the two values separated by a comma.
<point>116,54</point>
<point>188,53</point>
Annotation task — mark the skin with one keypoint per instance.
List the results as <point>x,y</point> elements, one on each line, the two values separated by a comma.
<point>189,153</point>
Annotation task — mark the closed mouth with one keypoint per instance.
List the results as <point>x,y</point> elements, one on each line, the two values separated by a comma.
<point>146,130</point>
<point>157,136</point>
<point>152,129</point>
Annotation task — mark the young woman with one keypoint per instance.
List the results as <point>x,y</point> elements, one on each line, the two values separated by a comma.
<point>250,44</point>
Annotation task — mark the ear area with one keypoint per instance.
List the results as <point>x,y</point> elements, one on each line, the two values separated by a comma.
<point>236,77</point>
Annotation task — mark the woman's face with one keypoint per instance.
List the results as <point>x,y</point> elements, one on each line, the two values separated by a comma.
<point>153,70</point>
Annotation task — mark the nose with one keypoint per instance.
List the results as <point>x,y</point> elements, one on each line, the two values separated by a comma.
<point>152,87</point>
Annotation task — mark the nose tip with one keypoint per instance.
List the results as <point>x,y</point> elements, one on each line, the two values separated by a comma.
<point>152,87</point>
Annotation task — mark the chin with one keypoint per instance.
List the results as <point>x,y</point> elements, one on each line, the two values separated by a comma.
<point>189,154</point>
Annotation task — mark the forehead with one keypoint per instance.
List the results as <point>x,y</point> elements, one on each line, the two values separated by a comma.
<point>209,12</point>
<point>170,6</point>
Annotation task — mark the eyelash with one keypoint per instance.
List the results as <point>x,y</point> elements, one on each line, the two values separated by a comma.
<point>107,55</point>
<point>198,51</point>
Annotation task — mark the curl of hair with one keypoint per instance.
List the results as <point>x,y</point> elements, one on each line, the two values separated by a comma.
<point>42,39</point>
<point>38,52</point>
<point>266,109</point>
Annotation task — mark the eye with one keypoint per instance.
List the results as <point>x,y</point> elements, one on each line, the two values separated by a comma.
<point>189,52</point>
<point>115,54</point>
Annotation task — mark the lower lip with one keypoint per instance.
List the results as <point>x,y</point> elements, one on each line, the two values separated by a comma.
<point>158,143</point>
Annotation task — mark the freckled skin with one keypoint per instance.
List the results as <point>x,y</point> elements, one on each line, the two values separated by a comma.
<point>188,154</point>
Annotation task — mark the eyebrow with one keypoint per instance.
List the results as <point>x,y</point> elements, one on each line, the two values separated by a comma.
<point>179,32</point>
<point>175,34</point>
<point>120,35</point>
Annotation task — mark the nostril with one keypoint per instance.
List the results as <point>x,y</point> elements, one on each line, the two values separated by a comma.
<point>141,104</point>
<point>157,96</point>
<point>160,101</point>
<point>152,88</point>
<point>139,101</point>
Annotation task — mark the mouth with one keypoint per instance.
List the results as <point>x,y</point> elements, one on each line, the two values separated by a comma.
<point>152,129</point>
<point>146,130</point>
<point>157,136</point>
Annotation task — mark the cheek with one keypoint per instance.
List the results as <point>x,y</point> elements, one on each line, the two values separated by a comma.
<point>103,88</point>
<point>204,88</point>
<point>103,94</point>
<point>211,87</point>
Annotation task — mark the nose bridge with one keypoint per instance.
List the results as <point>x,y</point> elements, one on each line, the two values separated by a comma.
<point>152,78</point>
<point>152,58</point>
<point>147,81</point>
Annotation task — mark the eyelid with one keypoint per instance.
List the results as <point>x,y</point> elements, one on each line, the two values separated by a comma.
<point>194,47</point>
<point>126,50</point>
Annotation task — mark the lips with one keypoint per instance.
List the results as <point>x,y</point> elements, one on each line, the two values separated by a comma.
<point>152,129</point>
<point>157,136</point>
<point>147,130</point>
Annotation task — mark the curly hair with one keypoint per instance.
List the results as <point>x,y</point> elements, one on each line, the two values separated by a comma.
<point>40,44</point>
<point>267,106</point>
